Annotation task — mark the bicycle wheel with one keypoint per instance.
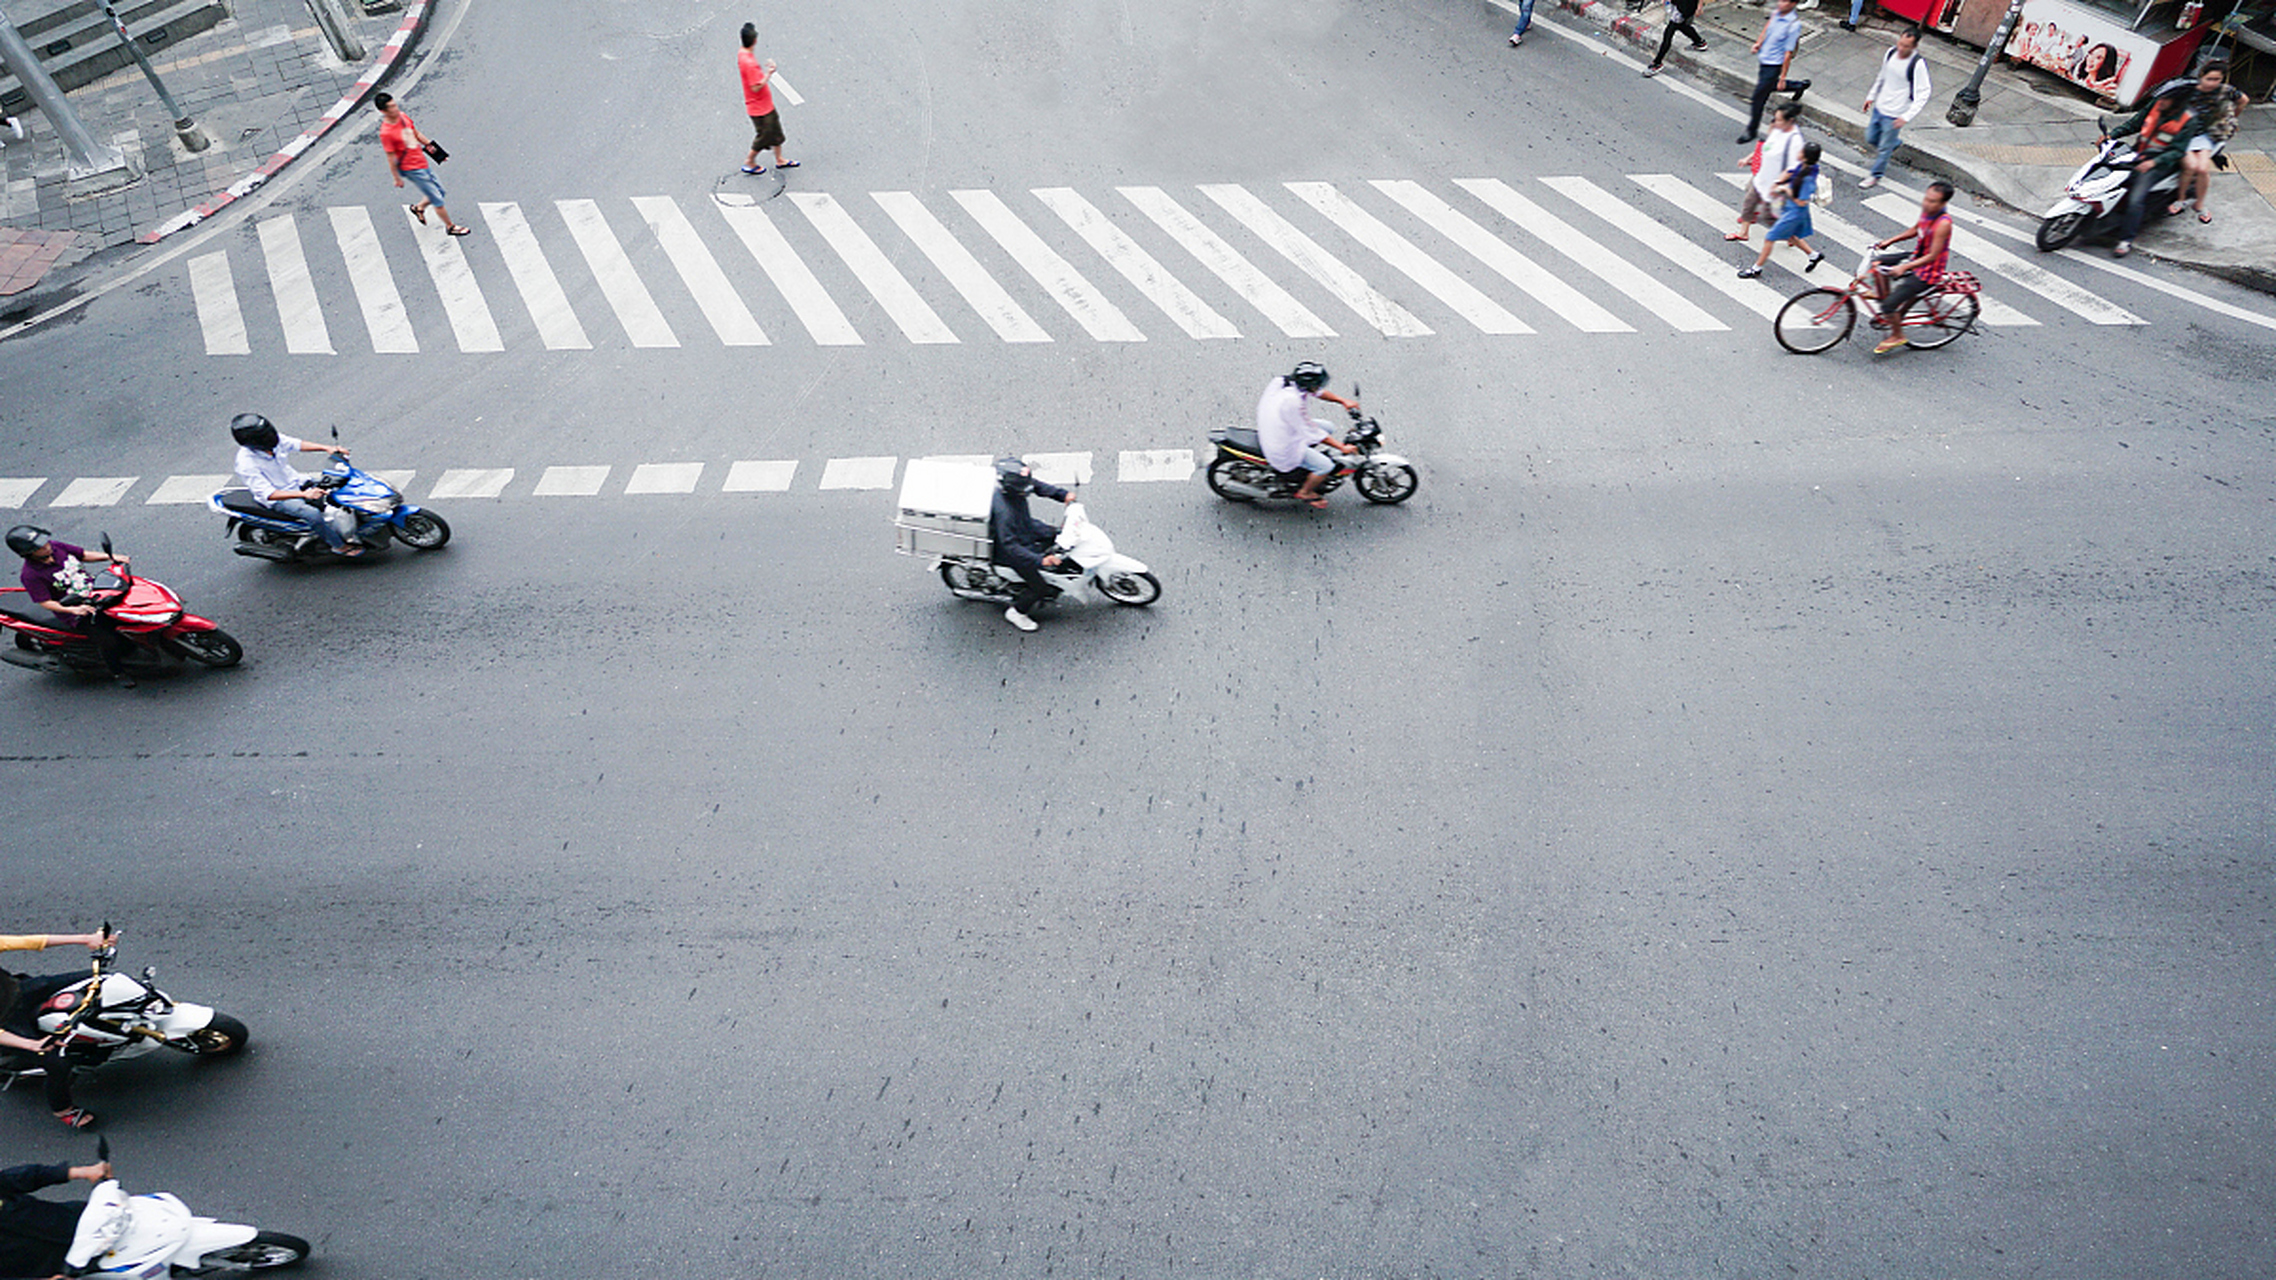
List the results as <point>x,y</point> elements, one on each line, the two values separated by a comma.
<point>1943,318</point>
<point>1814,320</point>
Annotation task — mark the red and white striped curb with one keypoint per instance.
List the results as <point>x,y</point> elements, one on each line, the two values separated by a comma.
<point>275,164</point>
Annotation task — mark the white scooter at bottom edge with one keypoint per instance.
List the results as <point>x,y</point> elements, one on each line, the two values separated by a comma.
<point>155,1235</point>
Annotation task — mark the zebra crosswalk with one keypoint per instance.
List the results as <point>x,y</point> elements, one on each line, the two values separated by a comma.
<point>1498,257</point>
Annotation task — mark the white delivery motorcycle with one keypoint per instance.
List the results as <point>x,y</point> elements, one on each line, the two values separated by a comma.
<point>110,1015</point>
<point>155,1235</point>
<point>1087,560</point>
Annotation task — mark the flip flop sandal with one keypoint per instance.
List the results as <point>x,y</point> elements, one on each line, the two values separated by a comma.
<point>754,172</point>
<point>462,230</point>
<point>77,1118</point>
<point>2204,217</point>
<point>1316,504</point>
<point>1738,236</point>
<point>787,164</point>
<point>417,211</point>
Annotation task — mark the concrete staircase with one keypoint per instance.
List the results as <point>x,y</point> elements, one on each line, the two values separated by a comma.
<point>78,45</point>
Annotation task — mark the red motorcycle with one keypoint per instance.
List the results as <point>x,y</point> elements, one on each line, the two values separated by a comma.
<point>149,618</point>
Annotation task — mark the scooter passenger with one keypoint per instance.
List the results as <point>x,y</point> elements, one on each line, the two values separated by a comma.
<point>275,485</point>
<point>1021,542</point>
<point>20,1000</point>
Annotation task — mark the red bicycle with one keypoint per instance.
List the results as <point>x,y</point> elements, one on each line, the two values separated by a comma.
<point>1815,319</point>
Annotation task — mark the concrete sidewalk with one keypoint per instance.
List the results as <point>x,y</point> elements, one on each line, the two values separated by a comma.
<point>255,82</point>
<point>2031,131</point>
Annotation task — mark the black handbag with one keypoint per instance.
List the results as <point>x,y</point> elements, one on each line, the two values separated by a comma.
<point>435,151</point>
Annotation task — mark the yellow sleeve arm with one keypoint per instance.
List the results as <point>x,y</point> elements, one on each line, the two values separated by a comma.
<point>23,942</point>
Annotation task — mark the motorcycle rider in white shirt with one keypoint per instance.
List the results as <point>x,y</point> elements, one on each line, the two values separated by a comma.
<point>1290,435</point>
<point>275,485</point>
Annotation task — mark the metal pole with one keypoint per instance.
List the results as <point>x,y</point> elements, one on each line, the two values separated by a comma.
<point>1962,112</point>
<point>337,33</point>
<point>89,166</point>
<point>192,135</point>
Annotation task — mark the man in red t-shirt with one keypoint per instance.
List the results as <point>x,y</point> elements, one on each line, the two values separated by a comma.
<point>406,149</point>
<point>758,100</point>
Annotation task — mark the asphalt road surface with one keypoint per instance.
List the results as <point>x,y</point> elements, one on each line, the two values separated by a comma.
<point>1749,815</point>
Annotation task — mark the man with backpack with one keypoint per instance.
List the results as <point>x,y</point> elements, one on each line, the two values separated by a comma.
<point>1898,94</point>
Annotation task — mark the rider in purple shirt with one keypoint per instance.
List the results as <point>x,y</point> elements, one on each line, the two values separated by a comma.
<point>52,574</point>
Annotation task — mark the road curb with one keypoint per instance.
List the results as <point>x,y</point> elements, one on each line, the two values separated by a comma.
<point>407,33</point>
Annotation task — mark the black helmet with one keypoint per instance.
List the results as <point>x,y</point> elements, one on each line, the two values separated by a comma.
<point>1310,375</point>
<point>1012,475</point>
<point>253,431</point>
<point>26,540</point>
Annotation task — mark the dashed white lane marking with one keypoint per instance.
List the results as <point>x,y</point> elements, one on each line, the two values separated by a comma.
<point>185,490</point>
<point>713,292</point>
<point>472,483</point>
<point>1078,297</point>
<point>1305,254</point>
<point>1184,307</point>
<point>1592,257</point>
<point>1226,263</point>
<point>635,309</point>
<point>759,477</point>
<point>298,309</point>
<point>570,482</point>
<point>1569,303</point>
<point>901,301</point>
<point>1704,266</point>
<point>219,317</point>
<point>1138,465</point>
<point>1060,468</point>
<point>400,480</point>
<point>548,306</point>
<point>963,271</point>
<point>2092,307</point>
<point>463,304</point>
<point>94,491</point>
<point>17,491</point>
<point>790,95</point>
<point>664,477</point>
<point>384,317</point>
<point>859,473</point>
<point>813,305</point>
<point>1485,314</point>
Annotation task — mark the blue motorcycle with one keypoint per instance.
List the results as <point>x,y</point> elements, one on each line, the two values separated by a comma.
<point>363,507</point>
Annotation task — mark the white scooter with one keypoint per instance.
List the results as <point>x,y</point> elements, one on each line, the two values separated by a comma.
<point>1087,560</point>
<point>2093,202</point>
<point>108,1016</point>
<point>155,1235</point>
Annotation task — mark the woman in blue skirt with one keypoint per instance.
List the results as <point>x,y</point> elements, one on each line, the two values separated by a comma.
<point>1798,186</point>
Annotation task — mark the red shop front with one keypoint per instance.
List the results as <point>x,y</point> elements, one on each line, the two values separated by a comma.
<point>2117,49</point>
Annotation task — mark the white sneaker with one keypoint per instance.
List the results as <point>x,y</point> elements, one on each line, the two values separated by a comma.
<point>1018,619</point>
<point>17,126</point>
<point>1869,181</point>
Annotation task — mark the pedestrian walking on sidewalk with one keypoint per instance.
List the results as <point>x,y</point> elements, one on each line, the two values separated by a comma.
<point>12,125</point>
<point>1898,94</point>
<point>1799,187</point>
<point>1772,161</point>
<point>409,155</point>
<point>1679,16</point>
<point>1774,53</point>
<point>758,100</point>
<point>1524,23</point>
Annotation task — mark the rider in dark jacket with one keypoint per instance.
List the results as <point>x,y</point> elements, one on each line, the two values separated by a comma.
<point>36,1233</point>
<point>1022,542</point>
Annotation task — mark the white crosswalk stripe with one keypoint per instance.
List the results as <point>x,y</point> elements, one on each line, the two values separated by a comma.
<point>384,317</point>
<point>714,293</point>
<point>2092,307</point>
<point>1143,465</point>
<point>1569,303</point>
<point>298,309</point>
<point>1592,257</point>
<point>1481,311</point>
<point>463,304</point>
<point>94,491</point>
<point>636,310</point>
<point>1088,307</point>
<point>1060,468</point>
<point>1226,263</point>
<point>907,308</point>
<point>220,319</point>
<point>1708,269</point>
<point>859,473</point>
<point>472,482</point>
<point>1305,254</point>
<point>812,304</point>
<point>1605,260</point>
<point>665,477</point>
<point>1145,274</point>
<point>759,477</point>
<point>549,308</point>
<point>183,490</point>
<point>571,482</point>
<point>963,271</point>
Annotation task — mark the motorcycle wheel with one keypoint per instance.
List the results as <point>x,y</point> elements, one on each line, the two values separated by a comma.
<point>1386,486</point>
<point>264,1252</point>
<point>1134,589</point>
<point>1225,472</point>
<point>968,582</point>
<point>224,1037</point>
<point>423,531</point>
<point>215,648</point>
<point>2059,230</point>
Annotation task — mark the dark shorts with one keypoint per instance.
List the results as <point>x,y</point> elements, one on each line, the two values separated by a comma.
<point>766,131</point>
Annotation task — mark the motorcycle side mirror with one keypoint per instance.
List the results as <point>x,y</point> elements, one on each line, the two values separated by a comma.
<point>102,1150</point>
<point>106,542</point>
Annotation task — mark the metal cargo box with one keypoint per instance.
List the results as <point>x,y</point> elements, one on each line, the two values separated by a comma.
<point>944,509</point>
